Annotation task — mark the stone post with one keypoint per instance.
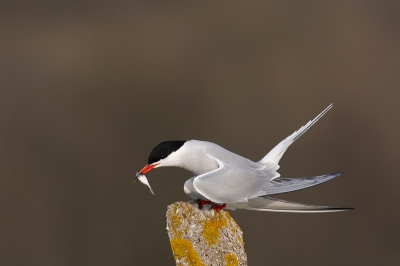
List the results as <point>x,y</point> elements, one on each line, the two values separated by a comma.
<point>204,237</point>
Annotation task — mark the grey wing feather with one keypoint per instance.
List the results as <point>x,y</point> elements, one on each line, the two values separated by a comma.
<point>266,203</point>
<point>230,183</point>
<point>283,185</point>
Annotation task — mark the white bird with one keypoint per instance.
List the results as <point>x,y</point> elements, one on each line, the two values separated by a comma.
<point>225,179</point>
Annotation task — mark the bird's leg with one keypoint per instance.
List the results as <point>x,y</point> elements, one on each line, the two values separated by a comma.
<point>203,202</point>
<point>214,206</point>
<point>218,207</point>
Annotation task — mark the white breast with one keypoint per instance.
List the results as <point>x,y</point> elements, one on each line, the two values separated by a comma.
<point>195,157</point>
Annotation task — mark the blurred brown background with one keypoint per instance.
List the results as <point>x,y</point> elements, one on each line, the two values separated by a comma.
<point>88,88</point>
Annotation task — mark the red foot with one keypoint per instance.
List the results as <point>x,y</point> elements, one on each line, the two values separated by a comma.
<point>219,207</point>
<point>214,205</point>
<point>204,202</point>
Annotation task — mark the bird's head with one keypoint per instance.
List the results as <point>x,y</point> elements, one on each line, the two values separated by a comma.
<point>164,154</point>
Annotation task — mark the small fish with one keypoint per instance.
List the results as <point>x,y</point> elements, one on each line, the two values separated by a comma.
<point>143,179</point>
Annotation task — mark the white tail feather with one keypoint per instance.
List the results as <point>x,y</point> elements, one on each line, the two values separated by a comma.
<point>273,157</point>
<point>276,205</point>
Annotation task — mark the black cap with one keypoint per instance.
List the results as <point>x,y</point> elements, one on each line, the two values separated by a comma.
<point>164,149</point>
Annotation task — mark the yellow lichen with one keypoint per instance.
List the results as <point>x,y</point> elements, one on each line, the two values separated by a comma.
<point>240,240</point>
<point>211,228</point>
<point>231,260</point>
<point>175,221</point>
<point>183,249</point>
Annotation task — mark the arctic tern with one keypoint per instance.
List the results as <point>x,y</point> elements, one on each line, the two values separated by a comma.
<point>224,179</point>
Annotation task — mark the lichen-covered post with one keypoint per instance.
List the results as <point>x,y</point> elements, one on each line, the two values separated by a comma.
<point>204,237</point>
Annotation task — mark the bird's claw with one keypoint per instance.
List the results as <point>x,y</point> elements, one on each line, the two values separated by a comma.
<point>218,207</point>
<point>214,205</point>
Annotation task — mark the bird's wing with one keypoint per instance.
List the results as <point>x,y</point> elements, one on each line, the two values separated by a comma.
<point>282,185</point>
<point>273,157</point>
<point>230,183</point>
<point>266,203</point>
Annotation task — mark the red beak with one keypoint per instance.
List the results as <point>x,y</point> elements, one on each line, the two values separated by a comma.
<point>147,168</point>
